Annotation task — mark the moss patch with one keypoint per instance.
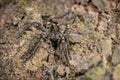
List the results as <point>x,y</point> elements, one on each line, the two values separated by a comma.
<point>95,74</point>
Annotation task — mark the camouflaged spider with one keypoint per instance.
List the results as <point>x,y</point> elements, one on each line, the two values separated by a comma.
<point>53,34</point>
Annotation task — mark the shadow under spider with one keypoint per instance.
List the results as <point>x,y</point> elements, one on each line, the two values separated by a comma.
<point>59,40</point>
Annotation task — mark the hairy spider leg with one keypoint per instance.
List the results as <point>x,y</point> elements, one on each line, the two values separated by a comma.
<point>31,51</point>
<point>62,16</point>
<point>28,25</point>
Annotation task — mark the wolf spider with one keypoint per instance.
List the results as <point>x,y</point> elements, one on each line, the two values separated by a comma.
<point>50,33</point>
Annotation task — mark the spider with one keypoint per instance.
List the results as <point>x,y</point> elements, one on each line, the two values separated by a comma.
<point>50,33</point>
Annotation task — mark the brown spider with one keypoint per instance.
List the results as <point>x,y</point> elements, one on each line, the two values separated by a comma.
<point>58,38</point>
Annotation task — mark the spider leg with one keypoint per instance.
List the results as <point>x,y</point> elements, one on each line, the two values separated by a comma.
<point>65,54</point>
<point>47,49</point>
<point>62,52</point>
<point>28,25</point>
<point>64,47</point>
<point>32,48</point>
<point>62,16</point>
<point>72,18</point>
<point>31,51</point>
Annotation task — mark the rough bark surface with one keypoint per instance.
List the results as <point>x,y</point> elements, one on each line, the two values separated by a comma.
<point>65,40</point>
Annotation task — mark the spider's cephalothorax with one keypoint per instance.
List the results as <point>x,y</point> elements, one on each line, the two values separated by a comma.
<point>51,32</point>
